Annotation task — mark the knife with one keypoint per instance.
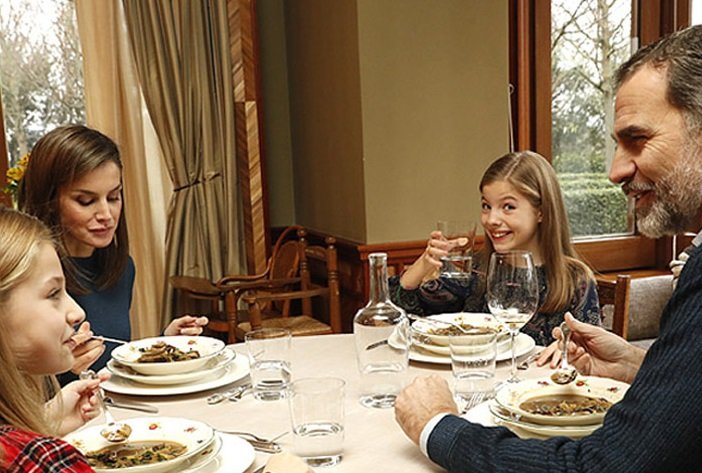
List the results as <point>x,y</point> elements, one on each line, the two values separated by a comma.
<point>134,406</point>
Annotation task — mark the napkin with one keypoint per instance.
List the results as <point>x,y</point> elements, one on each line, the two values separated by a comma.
<point>286,463</point>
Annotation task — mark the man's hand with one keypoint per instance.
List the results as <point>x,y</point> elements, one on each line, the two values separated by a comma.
<point>596,352</point>
<point>419,402</point>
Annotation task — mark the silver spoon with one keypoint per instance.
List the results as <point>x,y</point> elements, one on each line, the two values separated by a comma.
<point>565,373</point>
<point>114,431</point>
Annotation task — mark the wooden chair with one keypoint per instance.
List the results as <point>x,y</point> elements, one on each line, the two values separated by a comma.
<point>616,293</point>
<point>280,273</point>
<point>311,257</point>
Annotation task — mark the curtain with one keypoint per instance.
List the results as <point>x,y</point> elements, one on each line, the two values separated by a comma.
<point>182,55</point>
<point>114,106</point>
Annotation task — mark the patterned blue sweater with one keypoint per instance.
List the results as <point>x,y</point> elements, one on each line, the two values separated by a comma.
<point>444,295</point>
<point>657,427</point>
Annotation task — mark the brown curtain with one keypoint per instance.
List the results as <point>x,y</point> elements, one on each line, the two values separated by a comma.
<point>181,49</point>
<point>114,105</point>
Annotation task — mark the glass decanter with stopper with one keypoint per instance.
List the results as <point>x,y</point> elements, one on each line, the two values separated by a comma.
<point>382,337</point>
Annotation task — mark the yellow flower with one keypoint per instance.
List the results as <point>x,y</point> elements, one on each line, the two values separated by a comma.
<point>15,174</point>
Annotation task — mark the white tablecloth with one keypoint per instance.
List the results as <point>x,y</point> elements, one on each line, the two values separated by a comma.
<point>373,440</point>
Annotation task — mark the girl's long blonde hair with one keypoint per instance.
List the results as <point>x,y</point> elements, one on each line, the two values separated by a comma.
<point>22,395</point>
<point>534,178</point>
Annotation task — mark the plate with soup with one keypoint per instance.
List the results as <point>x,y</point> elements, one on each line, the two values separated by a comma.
<point>433,333</point>
<point>214,365</point>
<point>156,445</point>
<point>582,402</point>
<point>168,355</point>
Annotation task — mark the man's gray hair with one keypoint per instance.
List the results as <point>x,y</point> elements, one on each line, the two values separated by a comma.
<point>680,54</point>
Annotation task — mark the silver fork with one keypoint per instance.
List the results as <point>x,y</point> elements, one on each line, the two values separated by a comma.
<point>233,394</point>
<point>439,322</point>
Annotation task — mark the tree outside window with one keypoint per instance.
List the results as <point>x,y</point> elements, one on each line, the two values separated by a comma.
<point>41,76</point>
<point>589,40</point>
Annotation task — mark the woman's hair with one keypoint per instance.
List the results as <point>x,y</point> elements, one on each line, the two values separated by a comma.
<point>59,158</point>
<point>22,395</point>
<point>534,178</point>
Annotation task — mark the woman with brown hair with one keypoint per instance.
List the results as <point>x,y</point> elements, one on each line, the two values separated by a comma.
<point>73,183</point>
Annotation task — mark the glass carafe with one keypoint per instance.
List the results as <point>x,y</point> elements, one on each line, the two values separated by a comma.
<point>382,336</point>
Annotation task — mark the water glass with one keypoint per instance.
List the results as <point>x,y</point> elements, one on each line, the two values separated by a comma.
<point>473,365</point>
<point>459,262</point>
<point>269,356</point>
<point>317,416</point>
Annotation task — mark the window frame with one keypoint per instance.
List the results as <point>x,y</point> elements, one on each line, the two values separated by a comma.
<point>5,199</point>
<point>530,58</point>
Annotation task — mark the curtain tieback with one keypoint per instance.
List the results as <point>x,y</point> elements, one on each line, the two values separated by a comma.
<point>196,182</point>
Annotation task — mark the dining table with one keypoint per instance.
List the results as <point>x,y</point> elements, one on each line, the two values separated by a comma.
<point>372,436</point>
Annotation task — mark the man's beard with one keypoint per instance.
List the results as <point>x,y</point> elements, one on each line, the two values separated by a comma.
<point>678,197</point>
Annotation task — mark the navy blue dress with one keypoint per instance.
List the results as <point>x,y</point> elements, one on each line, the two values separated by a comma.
<point>106,310</point>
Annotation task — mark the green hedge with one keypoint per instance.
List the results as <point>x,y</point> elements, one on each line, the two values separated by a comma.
<point>595,209</point>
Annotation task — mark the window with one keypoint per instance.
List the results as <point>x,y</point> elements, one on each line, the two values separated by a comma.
<point>41,77</point>
<point>530,73</point>
<point>589,40</point>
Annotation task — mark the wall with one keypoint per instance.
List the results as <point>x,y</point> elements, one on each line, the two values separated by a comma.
<point>396,108</point>
<point>277,146</point>
<point>434,94</point>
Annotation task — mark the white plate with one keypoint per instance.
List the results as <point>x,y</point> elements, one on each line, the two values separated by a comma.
<point>512,396</point>
<point>196,436</point>
<point>214,364</point>
<point>523,344</point>
<point>464,318</point>
<point>502,345</point>
<point>235,456</point>
<point>129,353</point>
<point>237,369</point>
<point>204,457</point>
<point>572,431</point>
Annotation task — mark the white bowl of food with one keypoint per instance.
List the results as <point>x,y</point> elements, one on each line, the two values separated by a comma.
<point>585,401</point>
<point>156,445</point>
<point>168,355</point>
<point>478,324</point>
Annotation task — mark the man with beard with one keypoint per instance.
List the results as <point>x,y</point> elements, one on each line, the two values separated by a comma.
<point>658,425</point>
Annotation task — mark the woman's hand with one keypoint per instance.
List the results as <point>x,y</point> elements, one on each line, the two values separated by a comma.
<point>430,261</point>
<point>75,404</point>
<point>596,352</point>
<point>87,349</point>
<point>186,325</point>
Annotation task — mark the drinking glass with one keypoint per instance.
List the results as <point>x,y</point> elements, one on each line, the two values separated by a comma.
<point>459,262</point>
<point>269,352</point>
<point>512,293</point>
<point>473,356</point>
<point>317,416</point>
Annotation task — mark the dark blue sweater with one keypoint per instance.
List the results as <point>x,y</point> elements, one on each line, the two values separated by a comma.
<point>657,427</point>
<point>106,310</point>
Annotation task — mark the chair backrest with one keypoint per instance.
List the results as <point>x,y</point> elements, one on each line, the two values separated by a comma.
<point>312,259</point>
<point>615,294</point>
<point>285,256</point>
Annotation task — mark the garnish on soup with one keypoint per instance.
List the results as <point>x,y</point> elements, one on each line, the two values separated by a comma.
<point>134,453</point>
<point>163,352</point>
<point>565,405</point>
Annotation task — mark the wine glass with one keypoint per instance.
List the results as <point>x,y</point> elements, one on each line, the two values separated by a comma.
<point>512,293</point>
